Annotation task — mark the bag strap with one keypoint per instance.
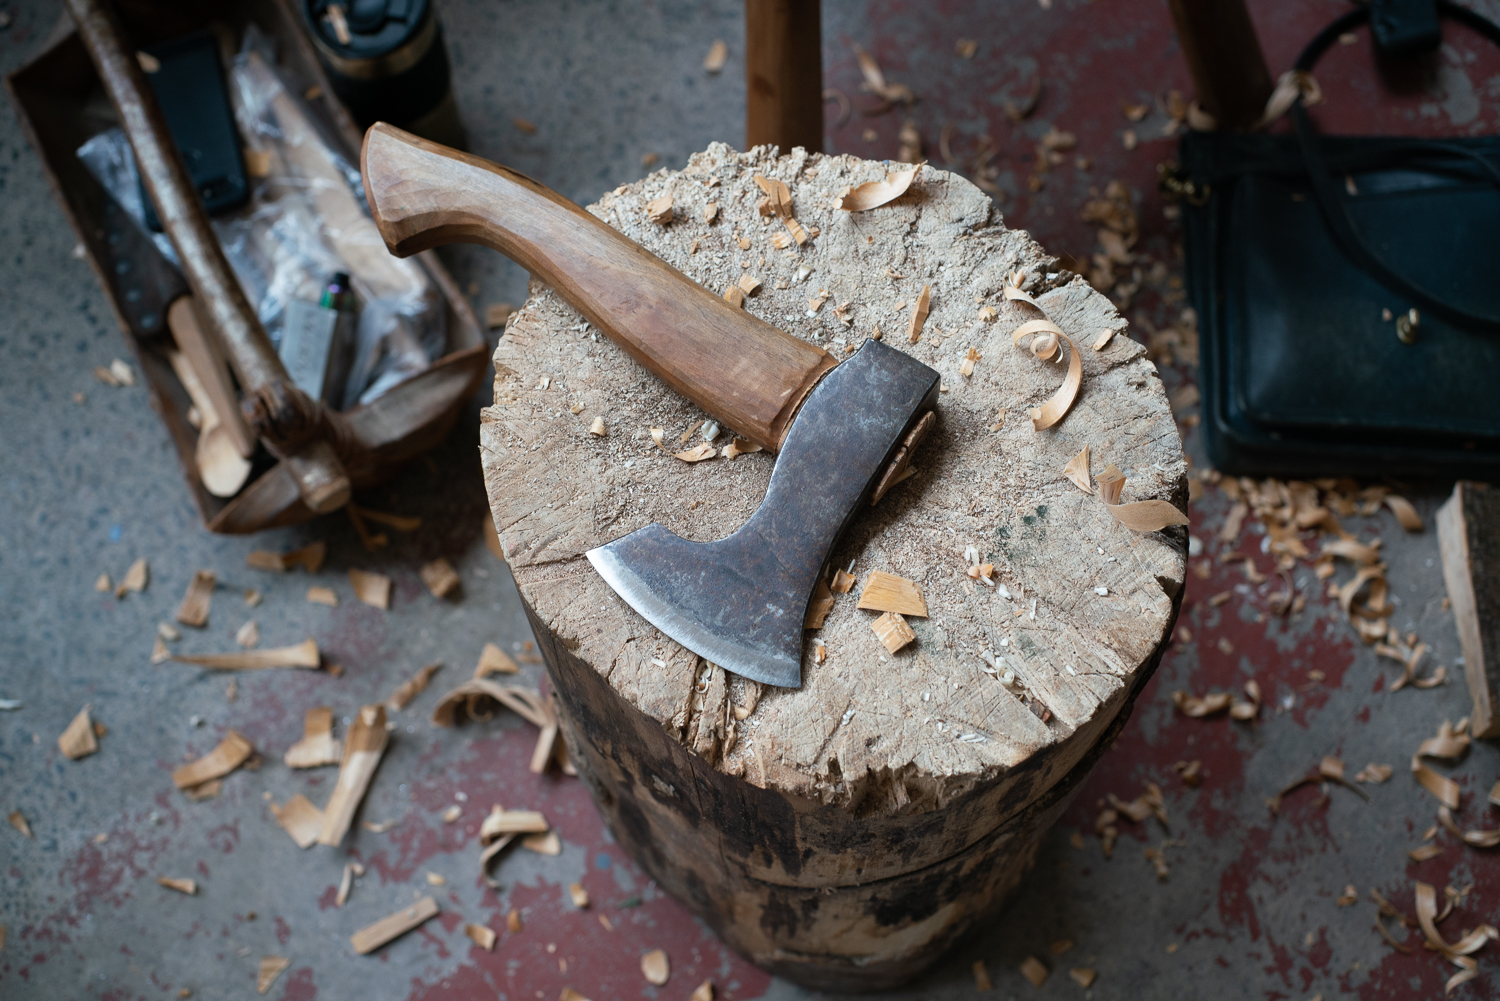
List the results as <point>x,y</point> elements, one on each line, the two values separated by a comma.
<point>1329,195</point>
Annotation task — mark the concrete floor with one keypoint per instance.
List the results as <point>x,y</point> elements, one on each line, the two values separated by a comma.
<point>1249,909</point>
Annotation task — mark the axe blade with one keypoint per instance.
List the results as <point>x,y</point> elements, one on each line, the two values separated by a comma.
<point>740,601</point>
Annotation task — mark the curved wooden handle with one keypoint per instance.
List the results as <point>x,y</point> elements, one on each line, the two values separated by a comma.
<point>738,369</point>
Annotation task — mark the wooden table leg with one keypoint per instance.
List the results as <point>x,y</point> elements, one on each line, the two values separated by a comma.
<point>1223,54</point>
<point>784,74</point>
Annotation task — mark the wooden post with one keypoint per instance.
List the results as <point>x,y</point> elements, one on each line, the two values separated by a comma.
<point>1223,54</point>
<point>784,74</point>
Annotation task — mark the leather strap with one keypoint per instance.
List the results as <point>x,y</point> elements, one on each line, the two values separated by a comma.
<point>1329,194</point>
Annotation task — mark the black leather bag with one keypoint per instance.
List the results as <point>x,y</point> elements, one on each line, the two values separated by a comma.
<point>1309,258</point>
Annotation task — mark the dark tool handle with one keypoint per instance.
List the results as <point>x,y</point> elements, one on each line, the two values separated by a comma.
<point>738,369</point>
<point>321,480</point>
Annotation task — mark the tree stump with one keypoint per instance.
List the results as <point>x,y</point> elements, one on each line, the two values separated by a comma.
<point>845,833</point>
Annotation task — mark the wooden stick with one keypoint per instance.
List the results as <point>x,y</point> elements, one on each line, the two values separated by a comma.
<point>392,926</point>
<point>231,752</point>
<point>784,74</point>
<point>1223,54</point>
<point>208,362</point>
<point>362,750</point>
<point>304,654</point>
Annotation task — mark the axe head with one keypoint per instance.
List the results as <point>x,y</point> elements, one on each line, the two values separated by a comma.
<point>740,602</point>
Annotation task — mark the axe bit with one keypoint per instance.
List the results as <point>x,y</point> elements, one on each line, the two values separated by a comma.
<point>842,432</point>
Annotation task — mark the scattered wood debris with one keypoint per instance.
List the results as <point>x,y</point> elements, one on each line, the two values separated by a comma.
<point>270,969</point>
<point>1450,743</point>
<point>206,791</point>
<point>778,195</point>
<point>1191,773</point>
<point>440,577</point>
<point>18,821</point>
<point>393,926</point>
<point>1035,971</point>
<point>738,447</point>
<point>374,589</point>
<point>302,655</point>
<point>513,921</point>
<point>323,596</point>
<point>411,688</point>
<point>735,296</point>
<point>655,967</point>
<point>477,697</point>
<point>579,895</point>
<point>310,558</point>
<point>188,886</point>
<point>659,210</point>
<point>842,583</point>
<point>919,315</point>
<point>318,746</point>
<point>1373,773</point>
<point>697,453</point>
<point>892,631</point>
<point>543,844</point>
<point>873,194</point>
<point>1330,769</point>
<point>886,592</point>
<point>1458,953</point>
<point>1084,976</point>
<point>1405,513</point>
<point>703,992</point>
<point>482,935</point>
<point>1139,516</point>
<point>493,660</point>
<point>966,369</point>
<point>597,428</point>
<point>136,578</point>
<point>248,635</point>
<point>818,606</point>
<point>231,752</point>
<point>748,284</point>
<point>103,584</point>
<point>118,373</point>
<point>301,819</point>
<point>1045,344</point>
<point>346,884</point>
<point>79,740</point>
<point>981,976</point>
<point>1077,470</point>
<point>363,747</point>
<point>195,603</point>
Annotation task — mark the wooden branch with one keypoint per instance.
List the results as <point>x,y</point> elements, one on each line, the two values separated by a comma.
<point>1223,53</point>
<point>363,748</point>
<point>784,74</point>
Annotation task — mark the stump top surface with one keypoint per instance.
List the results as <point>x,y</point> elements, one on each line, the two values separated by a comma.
<point>879,734</point>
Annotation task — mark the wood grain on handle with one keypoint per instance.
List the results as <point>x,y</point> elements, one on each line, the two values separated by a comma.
<point>738,369</point>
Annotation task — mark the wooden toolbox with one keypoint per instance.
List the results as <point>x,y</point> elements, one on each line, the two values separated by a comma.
<point>62,101</point>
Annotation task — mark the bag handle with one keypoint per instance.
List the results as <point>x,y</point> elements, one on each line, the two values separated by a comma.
<point>1329,195</point>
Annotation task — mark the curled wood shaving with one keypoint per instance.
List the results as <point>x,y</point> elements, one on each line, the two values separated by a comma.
<point>1374,774</point>
<point>231,752</point>
<point>697,453</point>
<point>739,446</point>
<point>748,284</point>
<point>1196,707</point>
<point>1138,516</point>
<point>873,194</point>
<point>1404,512</point>
<point>1329,770</point>
<point>1479,839</point>
<point>1247,710</point>
<point>302,655</point>
<point>1046,340</point>
<point>1458,953</point>
<point>477,699</point>
<point>1077,470</point>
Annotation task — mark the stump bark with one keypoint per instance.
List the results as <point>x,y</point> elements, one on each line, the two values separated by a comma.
<point>845,833</point>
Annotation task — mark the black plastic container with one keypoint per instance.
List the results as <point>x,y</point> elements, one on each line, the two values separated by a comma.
<point>387,62</point>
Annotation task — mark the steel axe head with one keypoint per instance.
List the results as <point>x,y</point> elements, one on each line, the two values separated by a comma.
<point>740,602</point>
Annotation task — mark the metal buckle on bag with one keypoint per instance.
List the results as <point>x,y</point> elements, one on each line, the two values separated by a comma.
<point>1174,182</point>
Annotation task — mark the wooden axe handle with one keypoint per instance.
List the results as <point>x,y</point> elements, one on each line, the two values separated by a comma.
<point>738,369</point>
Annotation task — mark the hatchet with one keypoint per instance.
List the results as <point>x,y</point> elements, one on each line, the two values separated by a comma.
<point>842,432</point>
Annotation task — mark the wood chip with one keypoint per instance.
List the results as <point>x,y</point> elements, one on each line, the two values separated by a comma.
<point>892,631</point>
<point>655,967</point>
<point>317,746</point>
<point>194,608</point>
<point>798,233</point>
<point>842,582</point>
<point>248,635</point>
<point>1425,852</point>
<point>513,921</point>
<point>18,821</point>
<point>301,819</point>
<point>739,446</point>
<point>524,125</point>
<point>483,936</point>
<point>885,592</point>
<point>1102,341</point>
<point>270,969</point>
<point>310,558</point>
<point>303,655</point>
<point>981,976</point>
<point>103,585</point>
<point>718,55</point>
<point>78,740</point>
<point>393,926</point>
<point>597,428</point>
<point>433,879</point>
<point>363,747</point>
<point>1084,976</point>
<point>967,368</point>
<point>748,284</point>
<point>374,589</point>
<point>136,579</point>
<point>579,895</point>
<point>1077,470</point>
<point>697,453</point>
<point>452,813</point>
<point>440,577</point>
<point>233,751</point>
<point>1374,773</point>
<point>496,313</point>
<point>919,315</point>
<point>569,994</point>
<point>411,688</point>
<point>493,660</point>
<point>351,870</point>
<point>500,822</point>
<point>735,296</point>
<point>323,596</point>
<point>1196,707</point>
<point>1033,969</point>
<point>1140,516</point>
<point>818,605</point>
<point>188,886</point>
<point>543,844</point>
<point>873,194</point>
<point>659,210</point>
<point>206,791</point>
<point>703,992</point>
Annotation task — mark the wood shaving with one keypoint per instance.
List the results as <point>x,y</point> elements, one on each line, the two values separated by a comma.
<point>301,819</point>
<point>310,558</point>
<point>18,821</point>
<point>1477,839</point>
<point>1458,953</point>
<point>373,936</point>
<point>440,577</point>
<point>302,655</point>
<point>1374,774</point>
<point>1035,971</point>
<point>579,895</point>
<point>323,596</point>
<point>411,688</point>
<point>317,746</point>
<point>1327,772</point>
<point>270,969</point>
<point>195,603</point>
<point>543,844</point>
<point>1405,513</point>
<point>1045,344</point>
<point>364,745</point>
<point>1247,710</point>
<point>493,660</point>
<point>478,697</point>
<point>513,921</point>
<point>597,428</point>
<point>452,813</point>
<point>79,740</point>
<point>208,790</point>
<point>873,194</point>
<point>482,935</point>
<point>748,284</point>
<point>796,230</point>
<point>1139,516</point>
<point>187,886</point>
<point>703,992</point>
<point>1197,708</point>
<point>981,976</point>
<point>1349,897</point>
<point>1102,341</point>
<point>919,315</point>
<point>103,584</point>
<point>892,631</point>
<point>886,592</point>
<point>248,635</point>
<point>778,193</point>
<point>659,210</point>
<point>1191,773</point>
<point>136,579</point>
<point>842,582</point>
<point>739,446</point>
<point>500,822</point>
<point>1084,976</point>
<point>433,879</point>
<point>160,653</point>
<point>1077,470</point>
<point>967,368</point>
<point>818,605</point>
<point>374,589</point>
<point>697,453</point>
<point>655,967</point>
<point>735,296</point>
<point>231,752</point>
